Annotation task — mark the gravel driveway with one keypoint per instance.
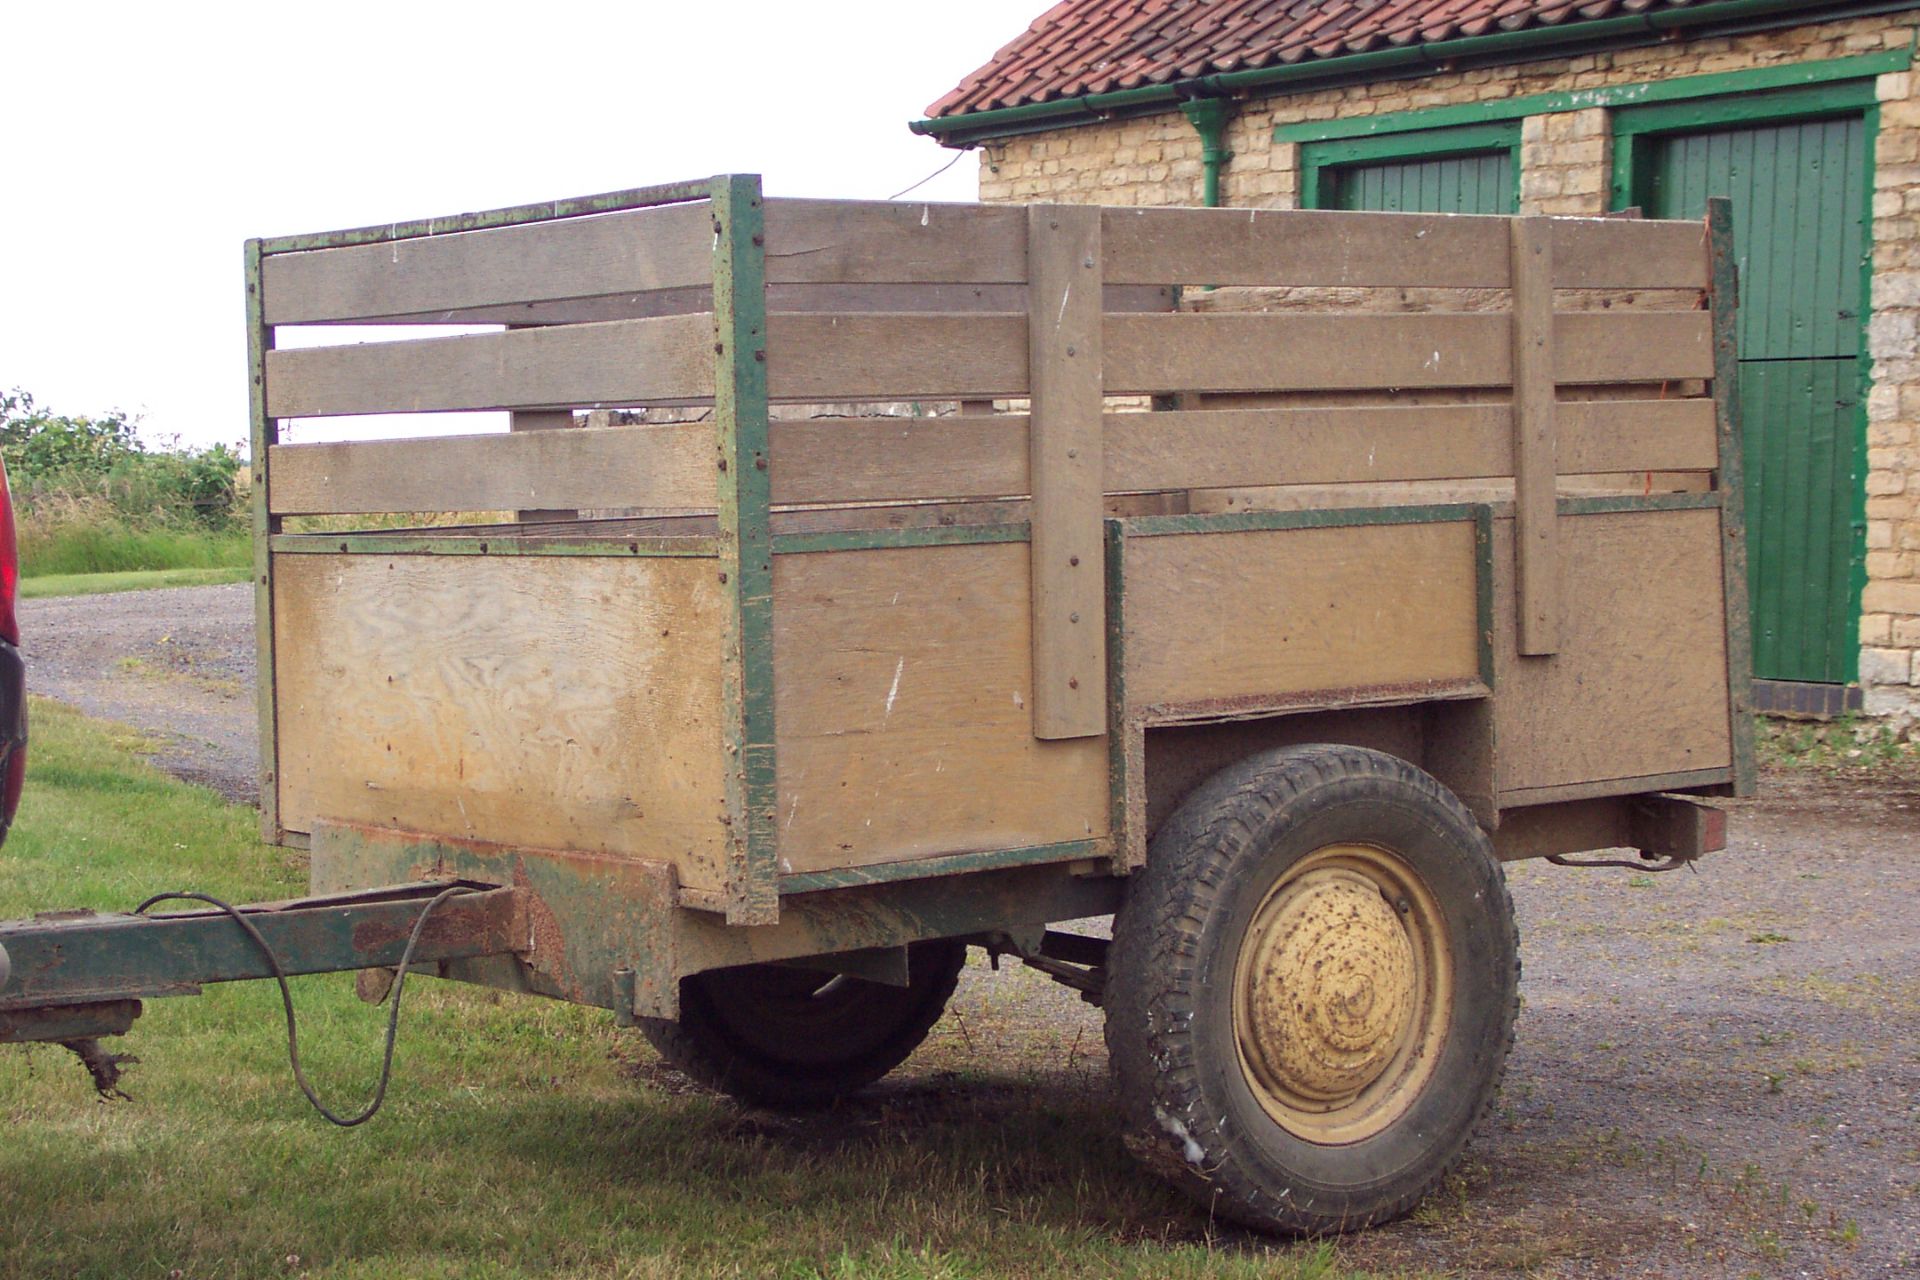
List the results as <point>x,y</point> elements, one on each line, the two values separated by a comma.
<point>1717,1074</point>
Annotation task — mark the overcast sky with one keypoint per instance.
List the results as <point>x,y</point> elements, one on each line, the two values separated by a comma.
<point>143,143</point>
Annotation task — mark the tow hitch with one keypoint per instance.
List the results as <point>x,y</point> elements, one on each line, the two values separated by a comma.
<point>71,977</point>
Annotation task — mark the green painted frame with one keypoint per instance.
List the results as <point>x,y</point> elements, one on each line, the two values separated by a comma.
<point>1634,129</point>
<point>745,545</point>
<point>1680,89</point>
<point>1316,157</point>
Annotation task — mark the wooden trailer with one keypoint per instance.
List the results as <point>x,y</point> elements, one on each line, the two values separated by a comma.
<point>1261,577</point>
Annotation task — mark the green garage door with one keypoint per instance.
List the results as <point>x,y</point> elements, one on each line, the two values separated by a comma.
<point>1476,183</point>
<point>1799,212</point>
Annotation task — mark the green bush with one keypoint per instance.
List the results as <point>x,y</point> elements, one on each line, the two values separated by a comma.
<point>91,497</point>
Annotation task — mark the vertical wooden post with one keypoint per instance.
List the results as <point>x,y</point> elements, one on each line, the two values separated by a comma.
<point>1067,550</point>
<point>541,420</point>
<point>1536,479</point>
<point>265,434</point>
<point>745,545</point>
<point>1729,480</point>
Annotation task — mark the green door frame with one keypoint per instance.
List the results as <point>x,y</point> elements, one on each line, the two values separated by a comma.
<point>1412,145</point>
<point>1634,128</point>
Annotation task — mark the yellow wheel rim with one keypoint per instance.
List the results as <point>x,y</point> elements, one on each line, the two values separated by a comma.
<point>1341,994</point>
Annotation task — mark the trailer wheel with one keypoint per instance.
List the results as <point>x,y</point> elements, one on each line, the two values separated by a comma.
<point>782,1037</point>
<point>1312,989</point>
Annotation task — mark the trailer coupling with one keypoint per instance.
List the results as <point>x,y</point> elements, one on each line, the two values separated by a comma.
<point>70,977</point>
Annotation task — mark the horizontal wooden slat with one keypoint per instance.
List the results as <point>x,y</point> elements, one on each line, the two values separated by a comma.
<point>865,459</point>
<point>621,362</point>
<point>1330,249</point>
<point>618,253</point>
<point>896,357</point>
<point>1631,346</point>
<point>856,242</point>
<point>865,356</point>
<point>645,262</point>
<point>1628,253</point>
<point>665,466</point>
<point>785,297</point>
<point>1331,352</point>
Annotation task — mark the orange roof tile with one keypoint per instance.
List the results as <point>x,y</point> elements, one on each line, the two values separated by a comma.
<point>1083,47</point>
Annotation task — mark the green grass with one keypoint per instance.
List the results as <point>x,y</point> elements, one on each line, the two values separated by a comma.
<point>99,546</point>
<point>1846,744</point>
<point>521,1137</point>
<point>82,584</point>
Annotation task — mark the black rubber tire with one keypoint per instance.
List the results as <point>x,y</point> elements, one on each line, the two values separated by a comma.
<point>795,1039</point>
<point>1189,1109</point>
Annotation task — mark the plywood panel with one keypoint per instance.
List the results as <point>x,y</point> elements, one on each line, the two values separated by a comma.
<point>620,362</point>
<point>554,703</point>
<point>1638,686</point>
<point>570,258</point>
<point>666,466</point>
<point>1219,616</point>
<point>903,696</point>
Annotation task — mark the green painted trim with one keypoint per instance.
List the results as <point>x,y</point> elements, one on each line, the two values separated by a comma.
<point>1483,589</point>
<point>1532,43</point>
<point>1419,144</point>
<point>265,433</point>
<point>1614,96</point>
<point>1334,518</point>
<point>745,545</point>
<point>951,864</point>
<point>1118,729</point>
<point>1857,550</point>
<point>364,544</point>
<point>943,535</point>
<point>1648,502</point>
<point>1424,144</point>
<point>516,215</point>
<point>1723,276</point>
<point>1838,98</point>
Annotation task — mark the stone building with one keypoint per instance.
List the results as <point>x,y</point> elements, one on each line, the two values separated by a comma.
<point>1806,114</point>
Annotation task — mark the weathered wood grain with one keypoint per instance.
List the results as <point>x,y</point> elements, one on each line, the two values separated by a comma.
<point>1217,617</point>
<point>565,366</point>
<point>1639,685</point>
<point>597,467</point>
<point>553,703</point>
<point>1065,472</point>
<point>903,695</point>
<point>645,249</point>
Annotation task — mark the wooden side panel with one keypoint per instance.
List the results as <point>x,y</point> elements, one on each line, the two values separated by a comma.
<point>1214,617</point>
<point>620,362</point>
<point>645,249</point>
<point>559,703</point>
<point>1639,685</point>
<point>668,466</point>
<point>903,693</point>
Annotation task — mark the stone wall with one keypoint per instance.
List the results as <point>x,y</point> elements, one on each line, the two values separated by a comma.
<point>1565,168</point>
